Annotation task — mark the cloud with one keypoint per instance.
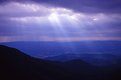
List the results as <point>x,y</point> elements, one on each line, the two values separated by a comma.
<point>15,9</point>
<point>90,6</point>
<point>87,6</point>
<point>52,20</point>
<point>55,39</point>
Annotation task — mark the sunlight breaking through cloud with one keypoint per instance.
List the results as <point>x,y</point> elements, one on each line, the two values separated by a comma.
<point>62,22</point>
<point>37,11</point>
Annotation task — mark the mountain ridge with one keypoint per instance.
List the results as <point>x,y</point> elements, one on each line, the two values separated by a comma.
<point>43,49</point>
<point>16,65</point>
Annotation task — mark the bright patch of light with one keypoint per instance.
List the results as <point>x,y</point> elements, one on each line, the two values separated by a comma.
<point>54,16</point>
<point>61,10</point>
<point>66,13</point>
<point>95,19</point>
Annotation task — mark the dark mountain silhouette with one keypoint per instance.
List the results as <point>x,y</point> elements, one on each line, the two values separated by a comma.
<point>98,59</point>
<point>15,65</point>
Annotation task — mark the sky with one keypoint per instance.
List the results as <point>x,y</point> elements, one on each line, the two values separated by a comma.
<point>60,20</point>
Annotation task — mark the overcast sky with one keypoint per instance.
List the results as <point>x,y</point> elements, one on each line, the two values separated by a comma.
<point>60,20</point>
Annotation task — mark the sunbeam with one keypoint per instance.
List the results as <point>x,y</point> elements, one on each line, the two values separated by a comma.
<point>61,21</point>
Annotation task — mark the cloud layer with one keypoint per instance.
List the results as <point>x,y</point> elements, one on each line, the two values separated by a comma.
<point>60,20</point>
<point>91,6</point>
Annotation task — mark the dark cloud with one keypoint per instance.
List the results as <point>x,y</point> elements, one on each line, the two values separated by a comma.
<point>6,1</point>
<point>90,6</point>
<point>109,6</point>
